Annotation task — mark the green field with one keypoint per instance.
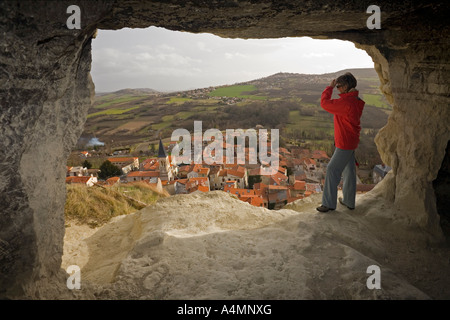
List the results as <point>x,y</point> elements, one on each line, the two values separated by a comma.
<point>237,92</point>
<point>375,100</point>
<point>201,109</point>
<point>161,125</point>
<point>184,115</point>
<point>370,79</point>
<point>178,100</point>
<point>126,98</point>
<point>308,123</point>
<point>180,115</point>
<point>111,112</point>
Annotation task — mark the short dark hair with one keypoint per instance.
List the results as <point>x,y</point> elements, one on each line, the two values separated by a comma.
<point>348,80</point>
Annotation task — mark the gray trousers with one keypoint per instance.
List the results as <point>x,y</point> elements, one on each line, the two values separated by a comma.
<point>343,164</point>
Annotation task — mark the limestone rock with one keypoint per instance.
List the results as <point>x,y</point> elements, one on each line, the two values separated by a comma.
<point>226,249</point>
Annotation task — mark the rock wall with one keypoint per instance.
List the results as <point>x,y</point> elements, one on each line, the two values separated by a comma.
<point>46,91</point>
<point>415,138</point>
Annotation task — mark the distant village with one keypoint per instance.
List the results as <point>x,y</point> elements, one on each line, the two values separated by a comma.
<point>301,173</point>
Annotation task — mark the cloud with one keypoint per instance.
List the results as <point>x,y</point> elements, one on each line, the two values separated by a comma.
<point>317,55</point>
<point>169,60</point>
<point>235,55</point>
<point>202,46</point>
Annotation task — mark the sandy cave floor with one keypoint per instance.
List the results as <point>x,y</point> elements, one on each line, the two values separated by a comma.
<point>214,246</point>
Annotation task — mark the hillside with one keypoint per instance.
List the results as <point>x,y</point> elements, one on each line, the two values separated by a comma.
<point>95,206</point>
<point>135,118</point>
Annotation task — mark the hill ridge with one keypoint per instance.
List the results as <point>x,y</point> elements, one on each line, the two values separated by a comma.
<point>150,90</point>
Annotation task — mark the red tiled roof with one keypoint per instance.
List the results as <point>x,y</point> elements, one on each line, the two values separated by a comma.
<point>240,191</point>
<point>203,188</point>
<point>240,169</point>
<point>257,201</point>
<point>182,181</point>
<point>277,187</point>
<point>260,186</point>
<point>143,174</point>
<point>310,161</point>
<point>199,179</point>
<point>319,154</point>
<point>150,166</point>
<point>112,180</point>
<point>222,173</point>
<point>282,170</point>
<point>254,172</point>
<point>236,173</point>
<point>185,168</point>
<point>77,179</point>
<point>299,185</point>
<point>278,177</point>
<point>149,160</point>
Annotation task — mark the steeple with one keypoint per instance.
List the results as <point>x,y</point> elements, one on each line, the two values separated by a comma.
<point>161,151</point>
<point>162,160</point>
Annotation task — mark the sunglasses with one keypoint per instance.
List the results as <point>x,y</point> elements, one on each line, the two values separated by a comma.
<point>339,85</point>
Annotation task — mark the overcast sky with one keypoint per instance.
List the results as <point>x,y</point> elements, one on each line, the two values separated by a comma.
<point>166,60</point>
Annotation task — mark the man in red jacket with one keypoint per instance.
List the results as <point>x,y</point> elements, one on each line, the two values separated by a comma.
<point>347,111</point>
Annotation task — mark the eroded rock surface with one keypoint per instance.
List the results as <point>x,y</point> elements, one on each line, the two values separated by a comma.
<point>213,246</point>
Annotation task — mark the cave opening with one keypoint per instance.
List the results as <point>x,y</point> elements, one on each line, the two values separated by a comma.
<point>116,68</point>
<point>441,187</point>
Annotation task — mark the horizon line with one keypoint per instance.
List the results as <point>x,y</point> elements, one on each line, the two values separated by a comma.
<point>229,84</point>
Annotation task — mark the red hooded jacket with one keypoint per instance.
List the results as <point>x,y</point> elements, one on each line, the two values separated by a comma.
<point>347,112</point>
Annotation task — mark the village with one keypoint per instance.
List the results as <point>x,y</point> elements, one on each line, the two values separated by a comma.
<point>301,173</point>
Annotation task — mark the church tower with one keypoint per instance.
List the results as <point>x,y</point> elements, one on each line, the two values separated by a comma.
<point>162,161</point>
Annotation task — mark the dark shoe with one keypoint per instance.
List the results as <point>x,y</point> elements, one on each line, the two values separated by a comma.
<point>342,202</point>
<point>322,208</point>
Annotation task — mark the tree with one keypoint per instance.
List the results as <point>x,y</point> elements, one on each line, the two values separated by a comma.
<point>289,171</point>
<point>87,164</point>
<point>153,148</point>
<point>108,170</point>
<point>253,179</point>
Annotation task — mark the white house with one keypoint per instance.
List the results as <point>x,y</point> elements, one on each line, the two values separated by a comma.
<point>238,174</point>
<point>76,172</point>
<point>150,176</point>
<point>127,164</point>
<point>87,180</point>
